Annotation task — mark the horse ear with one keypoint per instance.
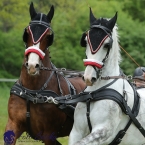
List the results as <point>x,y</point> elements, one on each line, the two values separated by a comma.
<point>32,11</point>
<point>112,22</point>
<point>50,14</point>
<point>92,18</point>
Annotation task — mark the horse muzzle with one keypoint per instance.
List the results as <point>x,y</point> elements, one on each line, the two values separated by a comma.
<point>33,64</point>
<point>90,75</point>
<point>33,69</point>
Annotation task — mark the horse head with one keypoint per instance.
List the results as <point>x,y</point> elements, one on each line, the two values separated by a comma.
<point>98,42</point>
<point>38,36</point>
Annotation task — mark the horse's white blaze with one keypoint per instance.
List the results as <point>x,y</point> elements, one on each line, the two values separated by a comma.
<point>89,74</point>
<point>33,61</point>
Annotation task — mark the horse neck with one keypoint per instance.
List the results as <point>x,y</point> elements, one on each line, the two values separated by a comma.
<point>36,82</point>
<point>111,67</point>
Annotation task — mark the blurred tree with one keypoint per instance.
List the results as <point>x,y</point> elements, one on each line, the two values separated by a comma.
<point>135,8</point>
<point>11,56</point>
<point>132,39</point>
<point>11,12</point>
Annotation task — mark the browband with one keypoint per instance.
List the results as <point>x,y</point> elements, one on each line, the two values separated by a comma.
<point>101,27</point>
<point>40,22</point>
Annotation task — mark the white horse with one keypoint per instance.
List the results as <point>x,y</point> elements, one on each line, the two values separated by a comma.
<point>106,116</point>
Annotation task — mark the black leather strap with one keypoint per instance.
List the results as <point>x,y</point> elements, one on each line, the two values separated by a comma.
<point>35,96</point>
<point>88,114</point>
<point>135,121</point>
<point>46,83</point>
<point>82,97</point>
<point>28,121</point>
<point>117,140</point>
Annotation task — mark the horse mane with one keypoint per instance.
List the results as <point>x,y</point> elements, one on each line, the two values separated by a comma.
<point>115,47</point>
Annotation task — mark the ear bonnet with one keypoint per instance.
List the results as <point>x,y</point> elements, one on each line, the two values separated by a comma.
<point>39,26</point>
<point>100,29</point>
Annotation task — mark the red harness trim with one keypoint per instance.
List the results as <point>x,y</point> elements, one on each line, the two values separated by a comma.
<point>89,42</point>
<point>35,50</point>
<point>93,64</point>
<point>40,36</point>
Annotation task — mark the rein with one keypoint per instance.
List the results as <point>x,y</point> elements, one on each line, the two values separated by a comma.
<point>62,71</point>
<point>129,56</point>
<point>116,77</point>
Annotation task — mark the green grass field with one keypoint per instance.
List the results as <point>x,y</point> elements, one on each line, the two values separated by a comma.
<point>4,96</point>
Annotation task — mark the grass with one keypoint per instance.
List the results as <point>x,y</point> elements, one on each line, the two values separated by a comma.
<point>4,96</point>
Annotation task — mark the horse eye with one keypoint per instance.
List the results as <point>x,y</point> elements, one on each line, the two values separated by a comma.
<point>107,45</point>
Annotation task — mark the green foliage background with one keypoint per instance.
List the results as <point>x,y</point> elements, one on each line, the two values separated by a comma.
<point>70,20</point>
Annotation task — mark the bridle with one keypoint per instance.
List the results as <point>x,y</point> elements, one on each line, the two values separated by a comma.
<point>33,48</point>
<point>97,65</point>
<point>46,26</point>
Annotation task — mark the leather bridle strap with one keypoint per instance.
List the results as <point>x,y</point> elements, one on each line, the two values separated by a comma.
<point>106,57</point>
<point>46,83</point>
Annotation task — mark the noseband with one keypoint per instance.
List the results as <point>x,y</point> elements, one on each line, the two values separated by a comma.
<point>36,50</point>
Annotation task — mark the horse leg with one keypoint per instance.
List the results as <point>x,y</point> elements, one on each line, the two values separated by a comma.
<point>103,123</point>
<point>80,126</point>
<point>11,126</point>
<point>97,137</point>
<point>74,136</point>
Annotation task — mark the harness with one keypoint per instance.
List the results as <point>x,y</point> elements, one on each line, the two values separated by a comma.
<point>111,94</point>
<point>43,96</point>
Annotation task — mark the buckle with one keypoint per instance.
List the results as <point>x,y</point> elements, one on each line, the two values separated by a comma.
<point>35,101</point>
<point>129,77</point>
<point>27,114</point>
<point>63,69</point>
<point>68,97</point>
<point>50,100</point>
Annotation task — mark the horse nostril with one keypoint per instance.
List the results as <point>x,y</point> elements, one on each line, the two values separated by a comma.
<point>37,66</point>
<point>26,64</point>
<point>93,80</point>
